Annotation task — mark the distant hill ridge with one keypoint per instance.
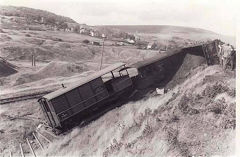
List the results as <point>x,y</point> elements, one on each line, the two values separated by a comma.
<point>34,14</point>
<point>157,29</point>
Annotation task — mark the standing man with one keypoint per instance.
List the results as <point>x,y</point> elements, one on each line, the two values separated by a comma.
<point>226,56</point>
<point>32,56</point>
<point>220,53</point>
<point>233,58</point>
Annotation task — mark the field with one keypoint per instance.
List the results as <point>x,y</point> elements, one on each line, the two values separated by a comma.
<point>196,117</point>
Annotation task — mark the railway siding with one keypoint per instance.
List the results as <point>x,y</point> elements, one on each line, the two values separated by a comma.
<point>23,97</point>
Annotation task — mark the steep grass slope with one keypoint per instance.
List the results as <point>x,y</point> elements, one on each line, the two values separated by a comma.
<point>195,118</point>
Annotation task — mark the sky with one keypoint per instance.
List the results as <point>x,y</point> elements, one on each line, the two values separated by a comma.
<point>215,15</point>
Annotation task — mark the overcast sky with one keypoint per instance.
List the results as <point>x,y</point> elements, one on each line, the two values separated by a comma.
<point>214,15</point>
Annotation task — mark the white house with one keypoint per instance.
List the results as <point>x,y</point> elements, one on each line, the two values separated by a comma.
<point>151,45</point>
<point>82,30</point>
<point>92,33</point>
<point>42,20</point>
<point>103,36</point>
<point>130,41</point>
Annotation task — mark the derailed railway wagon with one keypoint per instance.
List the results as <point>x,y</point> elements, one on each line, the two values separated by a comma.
<point>173,65</point>
<point>75,101</point>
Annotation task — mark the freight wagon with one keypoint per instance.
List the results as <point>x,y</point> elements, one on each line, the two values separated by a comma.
<point>173,65</point>
<point>104,86</point>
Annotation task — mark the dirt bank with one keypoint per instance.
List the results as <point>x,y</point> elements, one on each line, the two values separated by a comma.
<point>53,69</point>
<point>188,63</point>
<point>5,68</point>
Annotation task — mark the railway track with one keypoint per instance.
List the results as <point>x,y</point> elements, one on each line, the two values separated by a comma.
<point>23,97</point>
<point>41,139</point>
<point>43,135</point>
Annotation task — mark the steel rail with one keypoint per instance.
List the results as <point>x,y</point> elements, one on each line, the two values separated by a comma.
<point>30,146</point>
<point>21,149</point>
<point>22,98</point>
<point>38,141</point>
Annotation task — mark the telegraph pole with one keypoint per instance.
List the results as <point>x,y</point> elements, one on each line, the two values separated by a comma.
<point>33,58</point>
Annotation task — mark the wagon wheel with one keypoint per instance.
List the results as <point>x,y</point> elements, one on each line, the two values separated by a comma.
<point>56,131</point>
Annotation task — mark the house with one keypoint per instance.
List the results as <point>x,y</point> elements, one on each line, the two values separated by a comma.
<point>73,27</point>
<point>141,44</point>
<point>137,37</point>
<point>163,48</point>
<point>68,29</point>
<point>130,41</point>
<point>151,45</point>
<point>42,20</point>
<point>83,26</point>
<point>97,34</point>
<point>82,30</point>
<point>54,28</point>
<point>103,36</point>
<point>119,43</point>
<point>95,43</point>
<point>92,33</point>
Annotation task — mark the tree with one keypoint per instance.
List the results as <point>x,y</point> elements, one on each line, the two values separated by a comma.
<point>76,29</point>
<point>63,25</point>
<point>50,21</point>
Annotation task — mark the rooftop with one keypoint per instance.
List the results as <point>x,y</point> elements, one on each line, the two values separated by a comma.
<point>83,81</point>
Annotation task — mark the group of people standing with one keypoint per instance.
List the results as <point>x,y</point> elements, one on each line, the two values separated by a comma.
<point>227,55</point>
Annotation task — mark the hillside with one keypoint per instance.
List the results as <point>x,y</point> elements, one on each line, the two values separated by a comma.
<point>157,29</point>
<point>23,18</point>
<point>34,14</point>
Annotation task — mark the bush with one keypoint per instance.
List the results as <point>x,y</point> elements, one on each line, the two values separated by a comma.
<point>63,25</point>
<point>214,90</point>
<point>28,35</point>
<point>76,29</point>
<point>58,39</point>
<point>86,41</point>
